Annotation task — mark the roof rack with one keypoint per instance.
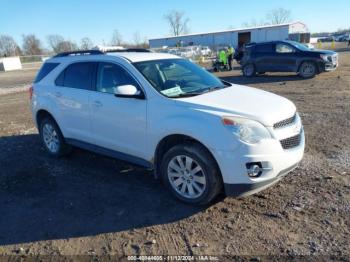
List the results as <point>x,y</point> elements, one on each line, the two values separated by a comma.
<point>138,50</point>
<point>80,52</point>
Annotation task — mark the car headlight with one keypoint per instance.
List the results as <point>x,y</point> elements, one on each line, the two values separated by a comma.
<point>247,130</point>
<point>324,57</point>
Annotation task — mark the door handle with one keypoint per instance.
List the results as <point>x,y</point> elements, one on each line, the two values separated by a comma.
<point>58,94</point>
<point>97,104</point>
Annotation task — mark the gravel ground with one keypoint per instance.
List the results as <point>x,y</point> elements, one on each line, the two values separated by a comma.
<point>89,204</point>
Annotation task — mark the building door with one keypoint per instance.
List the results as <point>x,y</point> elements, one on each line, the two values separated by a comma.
<point>244,38</point>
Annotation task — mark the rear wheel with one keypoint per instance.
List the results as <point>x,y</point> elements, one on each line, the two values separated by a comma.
<point>307,70</point>
<point>249,70</point>
<point>191,174</point>
<point>52,138</point>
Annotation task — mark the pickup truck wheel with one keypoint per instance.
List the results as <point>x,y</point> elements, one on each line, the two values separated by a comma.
<point>52,138</point>
<point>249,70</point>
<point>191,174</point>
<point>307,70</point>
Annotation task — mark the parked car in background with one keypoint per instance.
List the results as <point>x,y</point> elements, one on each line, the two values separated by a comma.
<point>345,38</point>
<point>325,39</point>
<point>286,56</point>
<point>205,51</point>
<point>199,134</point>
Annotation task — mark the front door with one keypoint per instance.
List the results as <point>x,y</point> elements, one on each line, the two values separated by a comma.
<point>285,59</point>
<point>118,123</point>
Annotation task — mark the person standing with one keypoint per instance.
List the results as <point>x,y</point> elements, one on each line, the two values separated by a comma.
<point>223,57</point>
<point>230,53</point>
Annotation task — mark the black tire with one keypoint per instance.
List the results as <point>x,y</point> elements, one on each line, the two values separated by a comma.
<point>307,70</point>
<point>62,147</point>
<point>249,70</point>
<point>208,165</point>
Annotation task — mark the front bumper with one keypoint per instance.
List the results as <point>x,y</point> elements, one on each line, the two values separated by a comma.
<point>327,66</point>
<point>276,163</point>
<point>241,190</point>
<point>330,67</point>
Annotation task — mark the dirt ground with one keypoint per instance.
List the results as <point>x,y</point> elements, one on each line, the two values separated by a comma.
<point>90,204</point>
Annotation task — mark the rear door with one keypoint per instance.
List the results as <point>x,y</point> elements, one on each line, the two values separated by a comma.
<point>264,56</point>
<point>118,123</point>
<point>73,88</point>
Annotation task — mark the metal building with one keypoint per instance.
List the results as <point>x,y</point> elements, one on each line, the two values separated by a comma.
<point>237,37</point>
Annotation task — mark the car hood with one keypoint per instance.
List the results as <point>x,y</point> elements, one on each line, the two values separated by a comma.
<point>323,52</point>
<point>243,101</point>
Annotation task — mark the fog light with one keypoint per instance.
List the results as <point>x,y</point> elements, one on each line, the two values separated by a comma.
<point>254,169</point>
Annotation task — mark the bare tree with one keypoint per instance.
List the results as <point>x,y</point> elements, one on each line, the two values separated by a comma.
<point>66,46</point>
<point>117,38</point>
<point>86,43</point>
<point>54,41</point>
<point>8,46</point>
<point>59,44</point>
<point>137,38</point>
<point>254,23</point>
<point>278,16</point>
<point>177,22</point>
<point>31,45</point>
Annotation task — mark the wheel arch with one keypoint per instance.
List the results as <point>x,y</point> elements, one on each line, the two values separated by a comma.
<point>169,141</point>
<point>310,61</point>
<point>41,114</point>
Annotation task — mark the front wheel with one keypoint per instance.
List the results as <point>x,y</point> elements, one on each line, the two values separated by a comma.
<point>307,70</point>
<point>249,70</point>
<point>191,174</point>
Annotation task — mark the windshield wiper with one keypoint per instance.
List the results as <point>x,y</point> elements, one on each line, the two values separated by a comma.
<point>216,88</point>
<point>187,94</point>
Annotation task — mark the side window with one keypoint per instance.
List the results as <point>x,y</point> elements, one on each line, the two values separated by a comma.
<point>60,79</point>
<point>283,48</point>
<point>45,70</point>
<point>78,75</point>
<point>266,48</point>
<point>110,75</point>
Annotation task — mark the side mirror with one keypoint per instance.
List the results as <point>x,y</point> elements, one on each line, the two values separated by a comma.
<point>128,91</point>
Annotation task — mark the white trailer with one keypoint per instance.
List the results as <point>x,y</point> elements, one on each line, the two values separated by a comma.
<point>237,37</point>
<point>10,63</point>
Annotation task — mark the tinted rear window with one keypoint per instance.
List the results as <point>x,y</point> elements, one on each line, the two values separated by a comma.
<point>77,75</point>
<point>268,48</point>
<point>45,70</point>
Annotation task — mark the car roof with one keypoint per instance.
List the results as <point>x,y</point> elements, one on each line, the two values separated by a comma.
<point>270,42</point>
<point>132,57</point>
<point>143,56</point>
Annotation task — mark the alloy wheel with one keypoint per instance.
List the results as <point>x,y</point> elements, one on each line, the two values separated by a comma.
<point>308,69</point>
<point>186,176</point>
<point>50,137</point>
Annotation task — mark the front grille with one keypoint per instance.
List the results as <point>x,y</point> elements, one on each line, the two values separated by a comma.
<point>291,142</point>
<point>285,122</point>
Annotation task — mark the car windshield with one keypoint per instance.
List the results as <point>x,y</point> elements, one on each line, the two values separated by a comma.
<point>178,77</point>
<point>299,46</point>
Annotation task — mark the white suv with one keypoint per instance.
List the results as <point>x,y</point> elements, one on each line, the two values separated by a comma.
<point>201,135</point>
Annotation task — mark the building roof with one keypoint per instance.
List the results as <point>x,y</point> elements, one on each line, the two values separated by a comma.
<point>230,30</point>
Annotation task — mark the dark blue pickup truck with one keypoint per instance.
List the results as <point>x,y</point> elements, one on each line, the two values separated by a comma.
<point>286,56</point>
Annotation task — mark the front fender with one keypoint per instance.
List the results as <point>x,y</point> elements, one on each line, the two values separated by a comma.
<point>203,127</point>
